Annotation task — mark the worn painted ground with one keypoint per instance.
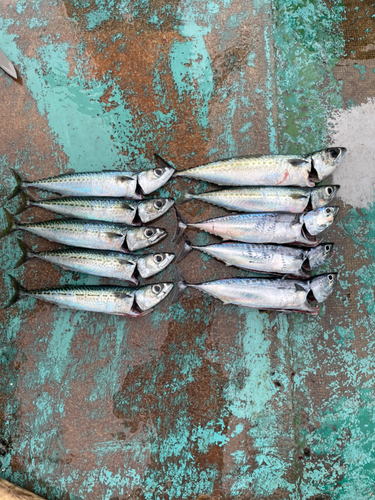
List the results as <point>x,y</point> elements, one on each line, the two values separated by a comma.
<point>197,400</point>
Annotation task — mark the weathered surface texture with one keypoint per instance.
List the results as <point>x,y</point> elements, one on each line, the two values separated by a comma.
<point>197,400</point>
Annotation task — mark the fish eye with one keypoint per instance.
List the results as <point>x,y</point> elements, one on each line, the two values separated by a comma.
<point>149,232</point>
<point>159,203</point>
<point>328,210</point>
<point>158,172</point>
<point>159,258</point>
<point>156,288</point>
<point>330,277</point>
<point>327,248</point>
<point>329,190</point>
<point>333,152</point>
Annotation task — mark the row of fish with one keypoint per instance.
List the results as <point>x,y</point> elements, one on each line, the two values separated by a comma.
<point>112,233</point>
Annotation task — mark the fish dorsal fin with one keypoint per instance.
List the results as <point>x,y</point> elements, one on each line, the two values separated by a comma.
<point>297,162</point>
<point>299,288</point>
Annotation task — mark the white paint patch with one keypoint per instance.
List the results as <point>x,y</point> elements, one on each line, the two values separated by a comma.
<point>354,129</point>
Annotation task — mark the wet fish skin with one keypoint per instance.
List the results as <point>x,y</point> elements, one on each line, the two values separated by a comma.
<point>121,301</point>
<point>270,259</point>
<point>269,170</point>
<point>268,294</point>
<point>90,234</point>
<point>279,228</point>
<point>108,209</point>
<point>268,199</point>
<point>111,183</point>
<point>101,263</point>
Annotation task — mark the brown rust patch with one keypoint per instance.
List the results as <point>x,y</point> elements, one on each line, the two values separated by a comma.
<point>358,27</point>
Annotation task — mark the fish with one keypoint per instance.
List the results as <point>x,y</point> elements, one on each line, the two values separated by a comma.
<point>284,295</point>
<point>269,170</point>
<point>7,66</point>
<point>111,183</point>
<point>90,234</point>
<point>116,265</point>
<point>130,212</point>
<point>117,300</point>
<point>279,228</point>
<point>268,199</point>
<point>270,259</point>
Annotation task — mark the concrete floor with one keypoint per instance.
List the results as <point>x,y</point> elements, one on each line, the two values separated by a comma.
<point>197,400</point>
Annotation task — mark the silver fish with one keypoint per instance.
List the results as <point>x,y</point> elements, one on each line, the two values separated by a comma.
<point>109,183</point>
<point>277,228</point>
<point>119,210</point>
<point>268,199</point>
<point>90,234</point>
<point>269,294</point>
<point>270,259</point>
<point>121,301</point>
<point>269,170</point>
<point>100,263</point>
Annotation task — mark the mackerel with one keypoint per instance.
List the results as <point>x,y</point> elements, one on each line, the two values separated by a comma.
<point>107,183</point>
<point>269,170</point>
<point>90,234</point>
<point>270,259</point>
<point>118,210</point>
<point>101,263</point>
<point>282,295</point>
<point>279,228</point>
<point>120,301</point>
<point>268,199</point>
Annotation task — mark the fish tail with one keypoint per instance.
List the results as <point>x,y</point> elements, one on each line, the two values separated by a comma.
<point>161,162</point>
<point>27,254</point>
<point>185,196</point>
<point>19,292</point>
<point>181,225</point>
<point>180,287</point>
<point>21,185</point>
<point>12,224</point>
<point>27,202</point>
<point>186,249</point>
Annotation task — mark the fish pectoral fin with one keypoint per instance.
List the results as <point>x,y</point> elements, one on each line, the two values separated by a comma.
<point>125,178</point>
<point>297,162</point>
<point>299,288</point>
<point>113,235</point>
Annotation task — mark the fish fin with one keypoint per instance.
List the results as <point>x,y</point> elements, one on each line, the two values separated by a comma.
<point>297,162</point>
<point>161,162</point>
<point>27,254</point>
<point>180,287</point>
<point>299,288</point>
<point>111,235</point>
<point>27,202</point>
<point>186,249</point>
<point>21,184</point>
<point>19,292</point>
<point>185,196</point>
<point>12,224</point>
<point>181,225</point>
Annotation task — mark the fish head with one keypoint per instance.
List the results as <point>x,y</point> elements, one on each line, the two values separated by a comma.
<point>149,265</point>
<point>149,296</point>
<point>319,219</point>
<point>143,237</point>
<point>322,286</point>
<point>153,179</point>
<point>323,195</point>
<point>324,162</point>
<point>319,255</point>
<point>152,209</point>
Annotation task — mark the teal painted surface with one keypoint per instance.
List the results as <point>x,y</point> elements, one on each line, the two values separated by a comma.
<point>195,399</point>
